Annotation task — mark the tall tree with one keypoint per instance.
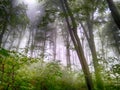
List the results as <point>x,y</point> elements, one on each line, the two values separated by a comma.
<point>114,30</point>
<point>12,16</point>
<point>114,11</point>
<point>68,50</point>
<point>87,25</point>
<point>66,37</point>
<point>76,41</point>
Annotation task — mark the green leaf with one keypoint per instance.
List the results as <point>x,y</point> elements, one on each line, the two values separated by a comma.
<point>4,52</point>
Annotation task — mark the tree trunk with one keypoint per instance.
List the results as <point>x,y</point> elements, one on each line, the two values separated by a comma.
<point>115,13</point>
<point>3,30</point>
<point>27,46</point>
<point>7,36</point>
<point>77,43</point>
<point>94,55</point>
<point>68,51</point>
<point>13,77</point>
<point>90,38</point>
<point>54,44</point>
<point>19,40</point>
<point>2,69</point>
<point>32,42</point>
<point>43,46</point>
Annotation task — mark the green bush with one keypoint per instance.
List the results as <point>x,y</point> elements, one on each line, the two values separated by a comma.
<point>19,72</point>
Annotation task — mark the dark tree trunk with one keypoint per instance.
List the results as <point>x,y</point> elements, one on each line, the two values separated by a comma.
<point>115,13</point>
<point>68,51</point>
<point>54,44</point>
<point>1,36</point>
<point>3,30</point>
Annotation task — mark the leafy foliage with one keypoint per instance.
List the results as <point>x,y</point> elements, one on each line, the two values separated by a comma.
<point>19,72</point>
<point>15,14</point>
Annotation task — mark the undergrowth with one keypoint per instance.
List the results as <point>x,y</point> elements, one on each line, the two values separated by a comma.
<point>19,72</point>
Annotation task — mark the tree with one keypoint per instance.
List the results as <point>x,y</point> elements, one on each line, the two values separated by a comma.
<point>11,16</point>
<point>114,11</point>
<point>85,15</point>
<point>68,50</point>
<point>114,31</point>
<point>77,44</point>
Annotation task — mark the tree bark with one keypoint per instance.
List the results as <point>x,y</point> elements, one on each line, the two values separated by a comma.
<point>1,36</point>
<point>115,13</point>
<point>54,44</point>
<point>3,30</point>
<point>68,51</point>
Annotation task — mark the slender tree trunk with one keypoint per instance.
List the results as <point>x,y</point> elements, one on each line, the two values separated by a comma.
<point>13,77</point>
<point>32,44</point>
<point>12,41</point>
<point>2,76</point>
<point>94,56</point>
<point>115,13</point>
<point>90,38</point>
<point>102,45</point>
<point>5,41</point>
<point>77,43</point>
<point>54,44</point>
<point>3,30</point>
<point>28,43</point>
<point>43,49</point>
<point>44,45</point>
<point>68,51</point>
<point>1,36</point>
<point>66,37</point>
<point>19,40</point>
